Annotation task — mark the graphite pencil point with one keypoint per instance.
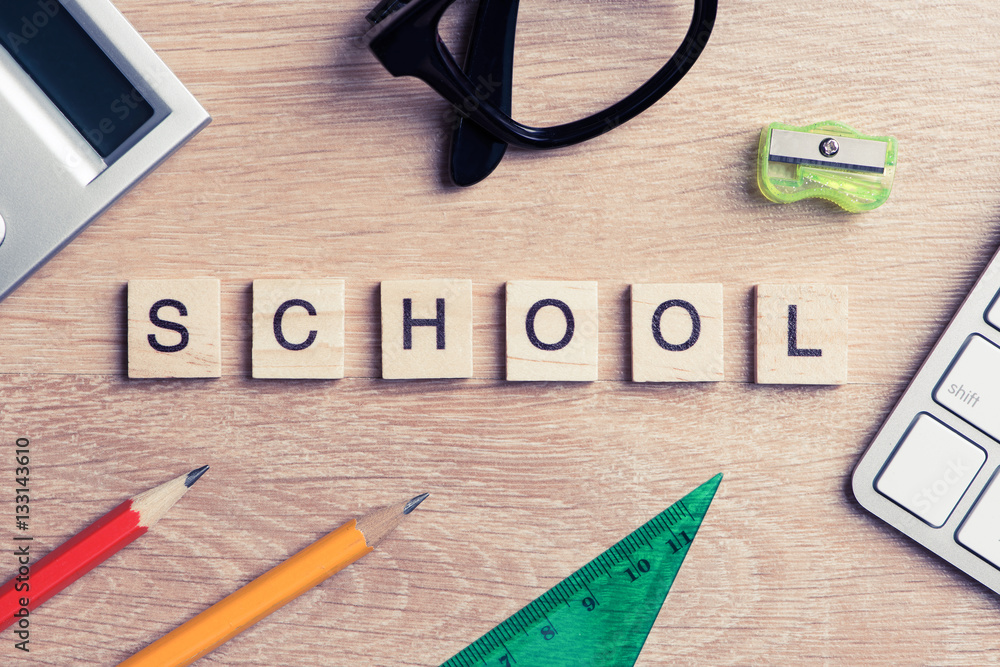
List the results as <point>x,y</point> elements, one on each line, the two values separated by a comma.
<point>195,475</point>
<point>412,505</point>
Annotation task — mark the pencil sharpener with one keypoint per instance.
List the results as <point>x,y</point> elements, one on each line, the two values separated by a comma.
<point>87,110</point>
<point>826,160</point>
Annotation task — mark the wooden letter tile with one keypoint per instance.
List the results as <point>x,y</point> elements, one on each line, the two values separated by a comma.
<point>174,329</point>
<point>677,333</point>
<point>552,330</point>
<point>298,329</point>
<point>426,329</point>
<point>801,334</point>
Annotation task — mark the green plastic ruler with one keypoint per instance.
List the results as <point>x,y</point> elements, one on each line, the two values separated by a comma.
<point>600,615</point>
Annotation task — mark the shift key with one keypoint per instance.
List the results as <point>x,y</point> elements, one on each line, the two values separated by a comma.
<point>971,387</point>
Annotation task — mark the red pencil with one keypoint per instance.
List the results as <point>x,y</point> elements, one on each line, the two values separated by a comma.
<point>90,547</point>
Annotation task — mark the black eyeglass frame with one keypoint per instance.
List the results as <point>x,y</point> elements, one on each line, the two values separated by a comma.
<point>405,38</point>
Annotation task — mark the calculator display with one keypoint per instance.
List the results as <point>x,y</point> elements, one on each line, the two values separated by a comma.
<point>73,71</point>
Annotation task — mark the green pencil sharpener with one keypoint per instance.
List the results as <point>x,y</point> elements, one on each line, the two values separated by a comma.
<point>827,160</point>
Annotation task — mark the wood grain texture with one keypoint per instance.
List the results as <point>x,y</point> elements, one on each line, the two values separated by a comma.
<point>319,163</point>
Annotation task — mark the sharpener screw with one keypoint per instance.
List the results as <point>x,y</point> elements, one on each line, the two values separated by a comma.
<point>829,147</point>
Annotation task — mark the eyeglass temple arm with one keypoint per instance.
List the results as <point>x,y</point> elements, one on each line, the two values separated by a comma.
<point>475,153</point>
<point>419,51</point>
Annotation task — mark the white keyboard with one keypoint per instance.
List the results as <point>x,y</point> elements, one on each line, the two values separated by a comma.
<point>931,471</point>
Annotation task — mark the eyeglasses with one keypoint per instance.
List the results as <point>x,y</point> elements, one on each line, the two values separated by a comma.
<point>405,38</point>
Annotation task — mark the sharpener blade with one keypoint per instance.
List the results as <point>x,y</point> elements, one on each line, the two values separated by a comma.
<point>804,148</point>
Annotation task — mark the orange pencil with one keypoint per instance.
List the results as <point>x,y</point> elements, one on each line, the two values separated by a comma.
<point>273,589</point>
<point>89,548</point>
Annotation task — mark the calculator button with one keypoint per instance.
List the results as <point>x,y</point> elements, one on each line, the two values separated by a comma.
<point>981,531</point>
<point>993,314</point>
<point>971,388</point>
<point>930,470</point>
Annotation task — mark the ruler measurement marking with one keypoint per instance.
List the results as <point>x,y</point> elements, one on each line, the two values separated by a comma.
<point>509,654</point>
<point>479,654</point>
<point>483,655</point>
<point>519,624</point>
<point>592,596</point>
<point>672,533</point>
<point>684,506</point>
<point>629,571</point>
<point>551,625</point>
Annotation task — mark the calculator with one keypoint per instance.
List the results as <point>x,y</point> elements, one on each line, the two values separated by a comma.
<point>87,110</point>
<point>932,470</point>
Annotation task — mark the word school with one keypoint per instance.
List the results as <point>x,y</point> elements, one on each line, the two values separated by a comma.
<point>551,330</point>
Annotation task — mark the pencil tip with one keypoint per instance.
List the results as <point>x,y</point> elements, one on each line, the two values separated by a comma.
<point>412,505</point>
<point>195,475</point>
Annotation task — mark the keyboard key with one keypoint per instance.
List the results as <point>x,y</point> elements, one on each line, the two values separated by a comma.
<point>971,388</point>
<point>981,531</point>
<point>930,470</point>
<point>993,314</point>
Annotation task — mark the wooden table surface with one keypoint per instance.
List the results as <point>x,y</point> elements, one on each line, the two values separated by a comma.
<point>319,164</point>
